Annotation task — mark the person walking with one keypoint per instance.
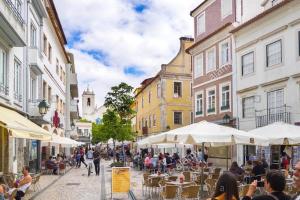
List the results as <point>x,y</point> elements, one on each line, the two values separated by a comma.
<point>274,185</point>
<point>82,156</point>
<point>96,156</point>
<point>226,188</point>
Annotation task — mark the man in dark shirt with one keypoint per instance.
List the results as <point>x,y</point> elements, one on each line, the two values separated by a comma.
<point>96,156</point>
<point>274,185</point>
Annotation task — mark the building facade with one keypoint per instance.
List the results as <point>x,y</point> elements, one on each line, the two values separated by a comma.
<point>268,60</point>
<point>159,108</point>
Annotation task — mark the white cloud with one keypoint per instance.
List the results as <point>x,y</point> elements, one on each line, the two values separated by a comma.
<point>144,40</point>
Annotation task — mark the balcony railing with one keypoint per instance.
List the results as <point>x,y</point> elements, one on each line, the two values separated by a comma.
<point>271,115</point>
<point>3,89</point>
<point>15,11</point>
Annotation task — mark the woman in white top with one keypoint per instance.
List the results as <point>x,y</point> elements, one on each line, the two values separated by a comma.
<point>23,184</point>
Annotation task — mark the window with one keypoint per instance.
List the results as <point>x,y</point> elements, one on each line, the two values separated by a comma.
<point>64,77</point>
<point>61,106</point>
<point>32,35</point>
<point>45,44</point>
<point>3,70</point>
<point>274,53</point>
<point>248,63</point>
<point>154,120</point>
<point>88,103</point>
<point>158,90</point>
<point>86,132</point>
<point>150,121</point>
<point>149,96</point>
<point>225,53</point>
<point>49,94</point>
<point>57,103</point>
<point>140,125</point>
<point>198,65</point>
<point>192,117</point>
<point>210,60</point>
<point>57,67</point>
<point>33,92</point>
<point>49,53</point>
<point>199,104</point>
<point>201,24</point>
<point>298,43</point>
<point>276,102</point>
<point>248,107</point>
<point>225,101</point>
<point>142,102</point>
<point>17,80</point>
<point>177,89</point>
<point>18,5</point>
<point>44,90</point>
<point>211,101</point>
<point>178,118</point>
<point>226,8</point>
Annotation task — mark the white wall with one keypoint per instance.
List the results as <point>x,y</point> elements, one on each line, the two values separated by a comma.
<point>255,37</point>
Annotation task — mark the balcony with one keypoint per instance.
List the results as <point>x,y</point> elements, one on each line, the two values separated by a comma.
<point>74,114</point>
<point>271,115</point>
<point>34,60</point>
<point>12,28</point>
<point>74,85</point>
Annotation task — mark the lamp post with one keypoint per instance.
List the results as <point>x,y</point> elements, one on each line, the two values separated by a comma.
<point>43,107</point>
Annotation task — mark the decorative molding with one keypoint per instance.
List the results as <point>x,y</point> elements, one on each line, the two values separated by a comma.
<point>295,22</point>
<point>247,89</point>
<point>207,82</point>
<point>274,82</point>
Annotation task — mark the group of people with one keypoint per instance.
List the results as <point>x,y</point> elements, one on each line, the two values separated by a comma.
<point>54,163</point>
<point>91,154</point>
<point>274,184</point>
<point>21,185</point>
<point>161,162</point>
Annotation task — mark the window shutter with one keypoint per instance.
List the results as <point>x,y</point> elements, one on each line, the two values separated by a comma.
<point>299,43</point>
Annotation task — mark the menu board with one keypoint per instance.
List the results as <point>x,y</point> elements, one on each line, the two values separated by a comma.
<point>120,179</point>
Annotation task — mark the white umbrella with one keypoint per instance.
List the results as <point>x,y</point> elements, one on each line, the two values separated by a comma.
<point>279,133</point>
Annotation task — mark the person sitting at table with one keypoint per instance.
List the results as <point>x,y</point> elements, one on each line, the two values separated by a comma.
<point>52,164</point>
<point>258,170</point>
<point>23,184</point>
<point>147,161</point>
<point>274,184</point>
<point>226,188</point>
<point>236,170</point>
<point>1,192</point>
<point>154,162</point>
<point>59,158</point>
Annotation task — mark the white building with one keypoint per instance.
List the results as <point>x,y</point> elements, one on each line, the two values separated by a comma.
<point>90,111</point>
<point>267,71</point>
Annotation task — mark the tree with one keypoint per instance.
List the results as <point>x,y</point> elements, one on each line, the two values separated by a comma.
<point>98,134</point>
<point>120,100</point>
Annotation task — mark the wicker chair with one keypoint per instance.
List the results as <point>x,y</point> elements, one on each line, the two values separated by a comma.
<point>169,192</point>
<point>62,168</point>
<point>215,176</point>
<point>35,183</point>
<point>198,179</point>
<point>154,184</point>
<point>172,178</point>
<point>217,170</point>
<point>290,190</point>
<point>187,176</point>
<point>207,170</point>
<point>146,182</point>
<point>211,185</point>
<point>190,192</point>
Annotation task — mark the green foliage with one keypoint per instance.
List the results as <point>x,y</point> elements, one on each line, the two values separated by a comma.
<point>99,135</point>
<point>120,99</point>
<point>84,120</point>
<point>117,164</point>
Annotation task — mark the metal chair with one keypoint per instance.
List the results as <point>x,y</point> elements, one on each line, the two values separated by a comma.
<point>62,168</point>
<point>187,176</point>
<point>190,192</point>
<point>210,184</point>
<point>169,192</point>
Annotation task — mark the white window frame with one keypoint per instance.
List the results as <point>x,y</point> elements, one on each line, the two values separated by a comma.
<point>221,96</point>
<point>276,109</point>
<point>213,49</point>
<point>176,95</point>
<point>174,117</point>
<point>207,100</point>
<point>203,29</point>
<point>196,103</point>
<point>33,35</point>
<point>158,90</point>
<point>229,12</point>
<point>4,68</point>
<point>198,69</point>
<point>17,80</point>
<point>243,108</point>
<point>221,53</point>
<point>154,120</point>
<point>242,63</point>
<point>267,54</point>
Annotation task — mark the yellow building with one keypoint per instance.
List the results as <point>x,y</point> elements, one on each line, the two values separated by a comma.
<point>164,102</point>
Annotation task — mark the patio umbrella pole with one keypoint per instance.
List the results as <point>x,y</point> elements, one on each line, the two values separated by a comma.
<point>202,173</point>
<point>227,157</point>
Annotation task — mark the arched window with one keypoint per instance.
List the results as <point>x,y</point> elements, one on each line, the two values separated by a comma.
<point>89,102</point>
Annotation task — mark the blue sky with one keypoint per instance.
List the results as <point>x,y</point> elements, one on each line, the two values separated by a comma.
<point>119,40</point>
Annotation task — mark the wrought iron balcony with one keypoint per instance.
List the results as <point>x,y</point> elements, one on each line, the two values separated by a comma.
<point>271,115</point>
<point>16,12</point>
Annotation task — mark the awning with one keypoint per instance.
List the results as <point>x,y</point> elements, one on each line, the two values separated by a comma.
<point>21,127</point>
<point>65,142</point>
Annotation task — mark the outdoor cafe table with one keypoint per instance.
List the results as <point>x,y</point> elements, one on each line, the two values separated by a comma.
<point>156,175</point>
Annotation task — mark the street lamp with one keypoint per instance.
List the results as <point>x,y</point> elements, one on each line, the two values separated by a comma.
<point>226,119</point>
<point>43,107</point>
<point>72,126</point>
